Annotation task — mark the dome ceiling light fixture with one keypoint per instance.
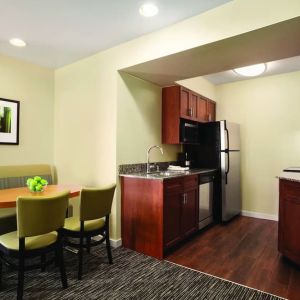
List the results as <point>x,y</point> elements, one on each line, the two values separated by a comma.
<point>251,71</point>
<point>148,10</point>
<point>17,42</point>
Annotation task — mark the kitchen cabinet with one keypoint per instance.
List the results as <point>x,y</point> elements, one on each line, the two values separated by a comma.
<point>289,219</point>
<point>211,111</point>
<point>188,103</point>
<point>179,102</point>
<point>180,209</point>
<point>157,214</point>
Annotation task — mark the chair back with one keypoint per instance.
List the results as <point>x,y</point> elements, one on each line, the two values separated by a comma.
<point>95,203</point>
<point>38,215</point>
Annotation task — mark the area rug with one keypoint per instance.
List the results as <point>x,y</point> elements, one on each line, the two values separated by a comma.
<point>131,276</point>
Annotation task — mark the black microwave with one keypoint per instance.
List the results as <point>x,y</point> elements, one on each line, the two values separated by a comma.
<point>189,133</point>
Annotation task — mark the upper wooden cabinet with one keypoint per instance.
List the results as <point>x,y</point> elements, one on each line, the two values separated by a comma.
<point>211,111</point>
<point>180,102</point>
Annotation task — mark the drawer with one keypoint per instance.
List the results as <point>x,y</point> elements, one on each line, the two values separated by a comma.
<point>190,181</point>
<point>290,190</point>
<point>173,185</point>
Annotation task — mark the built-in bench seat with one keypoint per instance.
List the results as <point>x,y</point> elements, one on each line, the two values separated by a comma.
<point>16,176</point>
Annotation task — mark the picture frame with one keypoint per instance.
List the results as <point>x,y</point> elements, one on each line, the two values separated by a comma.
<point>9,121</point>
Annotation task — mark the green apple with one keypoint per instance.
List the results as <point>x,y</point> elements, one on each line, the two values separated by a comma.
<point>37,178</point>
<point>38,187</point>
<point>44,182</point>
<point>28,181</point>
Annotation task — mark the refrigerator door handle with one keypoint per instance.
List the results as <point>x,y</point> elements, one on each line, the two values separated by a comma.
<point>228,165</point>
<point>227,135</point>
<point>227,152</point>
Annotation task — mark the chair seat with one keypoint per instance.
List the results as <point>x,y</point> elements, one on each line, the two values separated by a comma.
<point>73,224</point>
<point>11,241</point>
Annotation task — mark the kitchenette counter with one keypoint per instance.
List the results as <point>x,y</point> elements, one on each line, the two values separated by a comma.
<point>166,174</point>
<point>291,176</point>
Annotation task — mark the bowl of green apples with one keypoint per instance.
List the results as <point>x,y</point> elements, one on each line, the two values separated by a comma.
<point>36,184</point>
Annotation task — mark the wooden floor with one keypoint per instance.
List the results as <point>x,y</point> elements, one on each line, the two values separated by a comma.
<point>243,251</point>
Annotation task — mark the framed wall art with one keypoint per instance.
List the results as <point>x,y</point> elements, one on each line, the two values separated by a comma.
<point>9,121</point>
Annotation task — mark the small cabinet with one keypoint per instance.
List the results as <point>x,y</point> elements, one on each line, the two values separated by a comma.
<point>179,102</point>
<point>211,111</point>
<point>289,219</point>
<point>180,209</point>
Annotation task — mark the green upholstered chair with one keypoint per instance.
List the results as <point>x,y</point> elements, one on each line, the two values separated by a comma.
<point>15,176</point>
<point>39,231</point>
<point>95,208</point>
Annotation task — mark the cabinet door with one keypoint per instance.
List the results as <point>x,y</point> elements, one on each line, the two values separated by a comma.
<point>193,99</point>
<point>211,111</point>
<point>172,213</point>
<point>184,103</point>
<point>189,212</point>
<point>289,220</point>
<point>201,110</point>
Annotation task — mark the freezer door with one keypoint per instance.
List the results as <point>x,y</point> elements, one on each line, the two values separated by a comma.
<point>230,135</point>
<point>231,184</point>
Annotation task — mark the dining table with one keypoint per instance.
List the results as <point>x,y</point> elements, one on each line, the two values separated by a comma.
<point>8,197</point>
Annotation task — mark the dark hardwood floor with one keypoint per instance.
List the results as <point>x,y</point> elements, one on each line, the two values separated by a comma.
<point>243,251</point>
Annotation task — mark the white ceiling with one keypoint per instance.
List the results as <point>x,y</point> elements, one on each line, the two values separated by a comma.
<point>287,65</point>
<point>59,32</point>
<point>278,42</point>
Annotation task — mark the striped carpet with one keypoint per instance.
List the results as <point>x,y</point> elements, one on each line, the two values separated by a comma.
<point>132,276</point>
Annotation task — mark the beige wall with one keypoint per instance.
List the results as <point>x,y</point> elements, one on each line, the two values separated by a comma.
<point>139,122</point>
<point>268,111</point>
<point>88,92</point>
<point>201,86</point>
<point>33,86</point>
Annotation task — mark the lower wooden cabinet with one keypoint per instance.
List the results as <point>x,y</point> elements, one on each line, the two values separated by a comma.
<point>157,214</point>
<point>289,219</point>
<point>180,209</point>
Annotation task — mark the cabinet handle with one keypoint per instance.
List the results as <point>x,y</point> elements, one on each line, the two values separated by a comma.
<point>192,112</point>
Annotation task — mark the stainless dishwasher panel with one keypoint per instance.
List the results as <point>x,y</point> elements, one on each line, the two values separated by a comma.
<point>205,201</point>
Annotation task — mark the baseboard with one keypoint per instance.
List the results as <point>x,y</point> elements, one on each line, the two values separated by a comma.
<point>115,243</point>
<point>258,215</point>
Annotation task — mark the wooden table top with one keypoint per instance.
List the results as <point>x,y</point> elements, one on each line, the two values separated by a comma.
<point>8,197</point>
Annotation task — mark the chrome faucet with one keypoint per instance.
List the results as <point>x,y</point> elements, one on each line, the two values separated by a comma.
<point>148,156</point>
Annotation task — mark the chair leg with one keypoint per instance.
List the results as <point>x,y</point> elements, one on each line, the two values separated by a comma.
<point>43,262</point>
<point>108,249</point>
<point>0,272</point>
<point>20,278</point>
<point>60,256</point>
<point>88,244</point>
<point>80,253</point>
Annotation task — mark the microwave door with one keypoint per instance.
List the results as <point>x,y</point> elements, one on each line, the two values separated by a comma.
<point>189,132</point>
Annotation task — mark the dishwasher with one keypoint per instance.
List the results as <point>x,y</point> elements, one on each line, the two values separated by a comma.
<point>206,183</point>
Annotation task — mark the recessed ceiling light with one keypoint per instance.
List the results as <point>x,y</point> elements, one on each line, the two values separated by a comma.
<point>148,10</point>
<point>250,71</point>
<point>17,42</point>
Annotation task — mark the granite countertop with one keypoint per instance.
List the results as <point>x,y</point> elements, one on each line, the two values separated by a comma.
<point>292,176</point>
<point>166,174</point>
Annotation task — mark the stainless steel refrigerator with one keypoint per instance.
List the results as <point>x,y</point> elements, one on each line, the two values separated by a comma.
<point>219,148</point>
